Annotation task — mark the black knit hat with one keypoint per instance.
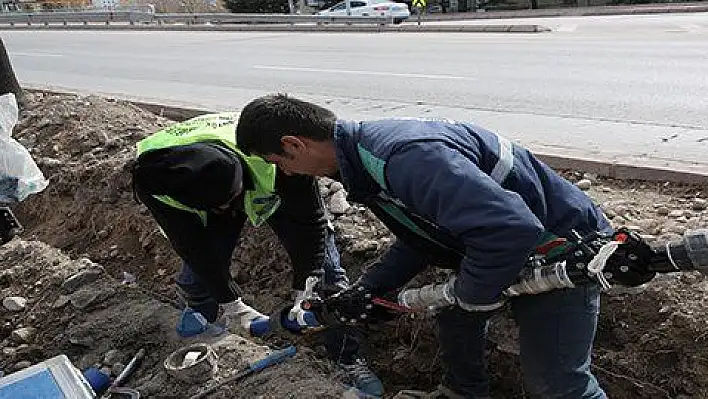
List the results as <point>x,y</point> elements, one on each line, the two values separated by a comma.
<point>201,175</point>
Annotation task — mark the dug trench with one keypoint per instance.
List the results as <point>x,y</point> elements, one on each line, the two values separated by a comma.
<point>649,345</point>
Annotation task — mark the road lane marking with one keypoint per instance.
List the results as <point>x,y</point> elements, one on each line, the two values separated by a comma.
<point>355,72</point>
<point>36,54</point>
<point>567,28</point>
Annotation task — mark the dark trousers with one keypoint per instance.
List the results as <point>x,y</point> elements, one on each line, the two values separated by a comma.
<point>341,343</point>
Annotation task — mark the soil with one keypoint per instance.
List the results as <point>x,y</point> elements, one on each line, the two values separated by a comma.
<point>648,345</point>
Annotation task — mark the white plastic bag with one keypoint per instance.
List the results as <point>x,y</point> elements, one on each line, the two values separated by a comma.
<point>19,174</point>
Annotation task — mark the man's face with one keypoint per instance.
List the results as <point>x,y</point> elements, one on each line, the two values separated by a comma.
<point>304,157</point>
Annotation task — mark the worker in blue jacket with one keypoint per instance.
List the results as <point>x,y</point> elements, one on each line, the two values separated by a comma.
<point>460,197</point>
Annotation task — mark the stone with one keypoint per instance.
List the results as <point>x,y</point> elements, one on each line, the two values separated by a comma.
<point>14,303</point>
<point>9,351</point>
<point>83,298</point>
<point>662,210</point>
<point>338,204</point>
<point>699,204</point>
<point>23,335</point>
<point>336,186</point>
<point>584,184</point>
<point>21,365</point>
<point>81,278</point>
<point>112,357</point>
<point>590,176</point>
<point>676,213</point>
<point>364,246</point>
<point>61,301</point>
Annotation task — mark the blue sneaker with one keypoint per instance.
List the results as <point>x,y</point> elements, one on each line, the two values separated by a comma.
<point>363,378</point>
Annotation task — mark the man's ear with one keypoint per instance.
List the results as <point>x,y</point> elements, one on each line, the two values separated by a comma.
<point>292,144</point>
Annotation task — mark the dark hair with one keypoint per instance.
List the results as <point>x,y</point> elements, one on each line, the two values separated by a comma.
<point>265,120</point>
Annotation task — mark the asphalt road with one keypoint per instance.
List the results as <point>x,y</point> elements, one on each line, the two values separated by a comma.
<point>632,89</point>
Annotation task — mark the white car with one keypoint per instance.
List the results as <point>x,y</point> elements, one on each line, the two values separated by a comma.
<point>370,8</point>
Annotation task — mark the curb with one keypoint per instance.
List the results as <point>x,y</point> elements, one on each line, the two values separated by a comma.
<point>614,170</point>
<point>294,28</point>
<point>624,171</point>
<point>573,12</point>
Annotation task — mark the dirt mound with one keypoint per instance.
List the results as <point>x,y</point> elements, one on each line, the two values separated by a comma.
<point>101,322</point>
<point>649,345</point>
<point>82,145</point>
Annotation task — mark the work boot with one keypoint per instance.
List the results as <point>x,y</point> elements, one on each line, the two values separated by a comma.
<point>362,378</point>
<point>194,295</point>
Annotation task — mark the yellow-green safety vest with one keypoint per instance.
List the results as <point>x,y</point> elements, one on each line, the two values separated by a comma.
<point>259,202</point>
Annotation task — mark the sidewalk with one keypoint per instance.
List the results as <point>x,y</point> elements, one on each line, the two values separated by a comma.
<point>657,8</point>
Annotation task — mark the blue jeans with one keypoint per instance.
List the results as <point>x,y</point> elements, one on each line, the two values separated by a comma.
<point>556,332</point>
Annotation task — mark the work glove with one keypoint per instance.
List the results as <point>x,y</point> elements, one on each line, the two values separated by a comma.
<point>351,305</point>
<point>441,295</point>
<point>238,316</point>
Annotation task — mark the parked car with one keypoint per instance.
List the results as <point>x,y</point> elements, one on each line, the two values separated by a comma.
<point>369,8</point>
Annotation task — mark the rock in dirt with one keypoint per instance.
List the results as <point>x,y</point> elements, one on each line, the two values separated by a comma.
<point>83,298</point>
<point>81,278</point>
<point>14,303</point>
<point>21,365</point>
<point>699,204</point>
<point>584,184</point>
<point>338,204</point>
<point>335,186</point>
<point>61,301</point>
<point>112,357</point>
<point>24,335</point>
<point>662,210</point>
<point>676,213</point>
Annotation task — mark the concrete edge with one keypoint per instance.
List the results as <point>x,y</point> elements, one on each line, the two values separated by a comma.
<point>624,171</point>
<point>614,170</point>
<point>657,8</point>
<point>521,28</point>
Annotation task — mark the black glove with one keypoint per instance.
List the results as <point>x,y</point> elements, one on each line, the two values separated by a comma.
<point>350,306</point>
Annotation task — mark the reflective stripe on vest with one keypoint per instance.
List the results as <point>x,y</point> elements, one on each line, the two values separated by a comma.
<point>505,163</point>
<point>259,202</point>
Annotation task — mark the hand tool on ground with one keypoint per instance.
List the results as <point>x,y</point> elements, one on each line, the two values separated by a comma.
<point>116,388</point>
<point>270,360</point>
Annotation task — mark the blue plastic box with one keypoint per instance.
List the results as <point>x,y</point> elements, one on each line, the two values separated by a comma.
<point>55,378</point>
